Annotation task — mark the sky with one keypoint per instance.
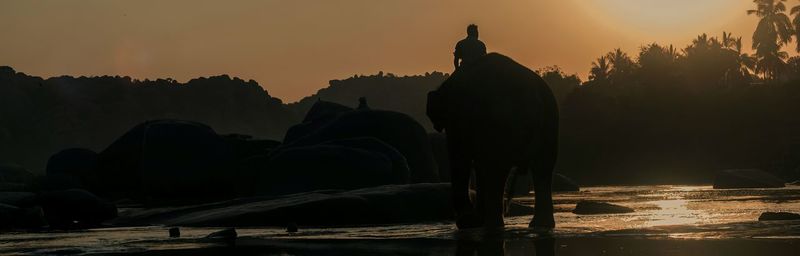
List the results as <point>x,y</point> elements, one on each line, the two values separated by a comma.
<point>294,47</point>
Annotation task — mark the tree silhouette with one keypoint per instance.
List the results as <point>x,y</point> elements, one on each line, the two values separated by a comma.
<point>796,23</point>
<point>622,67</point>
<point>600,71</point>
<point>774,30</point>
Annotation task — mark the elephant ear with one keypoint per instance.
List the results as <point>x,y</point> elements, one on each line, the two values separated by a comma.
<point>435,110</point>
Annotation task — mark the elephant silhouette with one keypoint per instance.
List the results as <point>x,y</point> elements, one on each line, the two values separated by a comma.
<point>498,116</point>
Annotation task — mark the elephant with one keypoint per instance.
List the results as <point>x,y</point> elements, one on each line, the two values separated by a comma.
<point>498,116</point>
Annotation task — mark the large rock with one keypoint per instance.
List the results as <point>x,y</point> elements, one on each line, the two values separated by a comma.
<point>747,178</point>
<point>378,205</point>
<point>400,170</point>
<point>302,169</point>
<point>590,207</point>
<point>20,217</point>
<point>14,178</point>
<point>244,146</point>
<point>770,216</point>
<point>77,162</point>
<point>75,208</point>
<point>394,128</point>
<point>15,174</point>
<point>69,169</point>
<point>166,160</point>
<point>18,199</point>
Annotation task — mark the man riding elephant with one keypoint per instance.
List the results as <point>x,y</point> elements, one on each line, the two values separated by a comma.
<point>468,49</point>
<point>497,115</point>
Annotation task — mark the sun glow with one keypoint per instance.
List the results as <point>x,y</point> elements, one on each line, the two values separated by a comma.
<point>662,19</point>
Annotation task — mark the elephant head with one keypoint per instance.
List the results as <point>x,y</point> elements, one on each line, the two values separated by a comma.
<point>436,110</point>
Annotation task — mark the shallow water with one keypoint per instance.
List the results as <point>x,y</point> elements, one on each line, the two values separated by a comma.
<point>662,212</point>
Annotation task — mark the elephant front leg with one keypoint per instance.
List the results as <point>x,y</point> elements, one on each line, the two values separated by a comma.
<point>491,180</point>
<point>461,167</point>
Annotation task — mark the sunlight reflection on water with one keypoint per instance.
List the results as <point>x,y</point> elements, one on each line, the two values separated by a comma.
<point>681,212</point>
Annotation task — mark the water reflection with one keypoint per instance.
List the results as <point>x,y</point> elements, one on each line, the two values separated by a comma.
<point>544,246</point>
<point>673,212</point>
<point>682,212</point>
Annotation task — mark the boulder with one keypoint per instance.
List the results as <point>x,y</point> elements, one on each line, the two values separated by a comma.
<point>400,171</point>
<point>15,178</point>
<point>18,199</point>
<point>378,205</point>
<point>6,186</point>
<point>76,162</point>
<point>20,217</point>
<point>320,114</point>
<point>75,208</point>
<point>396,129</point>
<point>166,160</point>
<point>244,146</point>
<point>746,178</point>
<point>302,169</point>
<point>590,207</point>
<point>769,216</point>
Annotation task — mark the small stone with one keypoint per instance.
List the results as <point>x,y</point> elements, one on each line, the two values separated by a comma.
<point>292,227</point>
<point>175,232</point>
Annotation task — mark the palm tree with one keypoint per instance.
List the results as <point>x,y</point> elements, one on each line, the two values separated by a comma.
<point>600,70</point>
<point>774,30</point>
<point>622,66</point>
<point>796,23</point>
<point>747,62</point>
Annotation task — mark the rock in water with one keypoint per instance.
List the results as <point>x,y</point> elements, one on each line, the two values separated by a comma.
<point>16,217</point>
<point>291,228</point>
<point>75,208</point>
<point>175,232</point>
<point>767,216</point>
<point>747,178</point>
<point>18,199</point>
<point>226,234</point>
<point>589,207</point>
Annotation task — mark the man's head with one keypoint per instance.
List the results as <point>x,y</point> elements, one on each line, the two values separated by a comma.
<point>472,31</point>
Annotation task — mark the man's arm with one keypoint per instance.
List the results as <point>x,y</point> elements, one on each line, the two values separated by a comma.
<point>455,61</point>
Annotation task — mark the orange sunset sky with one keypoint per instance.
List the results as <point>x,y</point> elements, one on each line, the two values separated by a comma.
<point>293,47</point>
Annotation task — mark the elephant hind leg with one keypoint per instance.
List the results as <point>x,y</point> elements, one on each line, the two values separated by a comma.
<point>542,174</point>
<point>543,208</point>
<point>491,178</point>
